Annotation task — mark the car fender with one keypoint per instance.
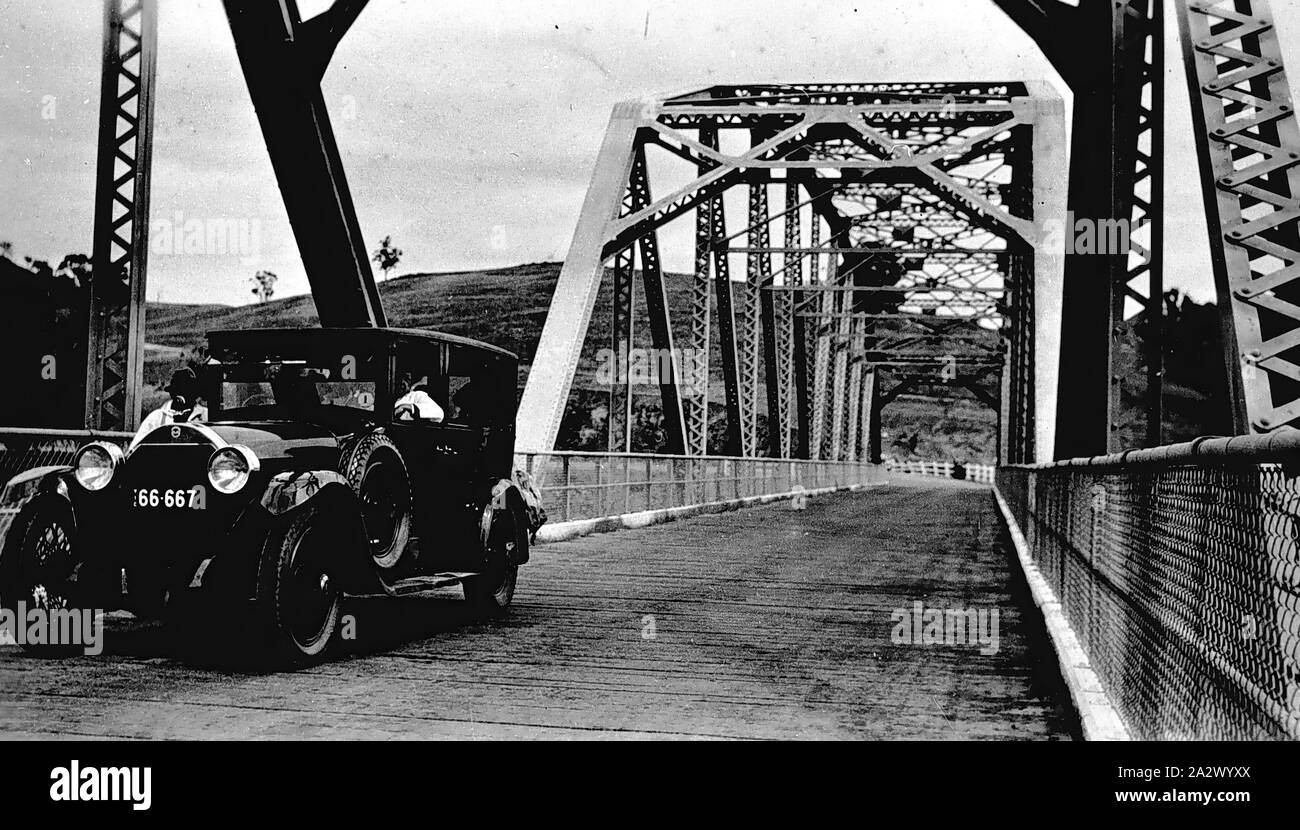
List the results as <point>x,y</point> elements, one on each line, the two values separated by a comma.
<point>21,496</point>
<point>504,495</point>
<point>25,486</point>
<point>288,493</point>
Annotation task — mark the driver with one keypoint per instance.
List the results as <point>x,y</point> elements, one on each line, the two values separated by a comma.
<point>415,403</point>
<point>296,391</point>
<point>182,406</point>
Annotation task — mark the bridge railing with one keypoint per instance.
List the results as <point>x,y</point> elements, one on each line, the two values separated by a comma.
<point>23,449</point>
<point>982,473</point>
<point>1179,570</point>
<point>577,485</point>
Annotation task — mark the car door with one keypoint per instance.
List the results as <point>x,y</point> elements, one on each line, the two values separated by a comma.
<point>423,447</point>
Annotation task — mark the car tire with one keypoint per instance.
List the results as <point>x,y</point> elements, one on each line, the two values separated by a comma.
<point>492,591</point>
<point>374,469</point>
<point>300,603</point>
<point>40,553</point>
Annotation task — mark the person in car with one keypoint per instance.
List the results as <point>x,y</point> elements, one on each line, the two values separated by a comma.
<point>182,406</point>
<point>415,402</point>
<point>296,390</point>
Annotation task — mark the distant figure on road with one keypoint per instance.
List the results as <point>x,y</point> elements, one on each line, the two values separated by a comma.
<point>183,405</point>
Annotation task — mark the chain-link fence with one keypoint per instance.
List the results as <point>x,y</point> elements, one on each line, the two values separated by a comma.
<point>591,485</point>
<point>1179,570</point>
<point>26,449</point>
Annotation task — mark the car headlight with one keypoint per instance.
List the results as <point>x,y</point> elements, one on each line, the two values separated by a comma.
<point>230,468</point>
<point>94,465</point>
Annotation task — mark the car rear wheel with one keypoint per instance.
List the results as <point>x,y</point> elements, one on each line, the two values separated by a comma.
<point>38,565</point>
<point>493,590</point>
<point>377,474</point>
<point>300,598</point>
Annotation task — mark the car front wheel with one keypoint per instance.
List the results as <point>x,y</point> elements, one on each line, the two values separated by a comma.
<point>38,565</point>
<point>300,598</point>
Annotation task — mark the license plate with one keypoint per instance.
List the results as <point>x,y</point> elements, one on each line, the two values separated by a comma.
<point>174,498</point>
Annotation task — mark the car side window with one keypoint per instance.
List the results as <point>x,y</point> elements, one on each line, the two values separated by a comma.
<point>469,388</point>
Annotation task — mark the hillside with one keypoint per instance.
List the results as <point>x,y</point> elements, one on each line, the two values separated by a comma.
<point>507,306</point>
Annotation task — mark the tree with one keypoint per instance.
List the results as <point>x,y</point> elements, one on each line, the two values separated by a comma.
<point>263,285</point>
<point>387,255</point>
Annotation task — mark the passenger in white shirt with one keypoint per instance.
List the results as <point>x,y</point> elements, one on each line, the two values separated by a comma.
<point>415,403</point>
<point>183,405</point>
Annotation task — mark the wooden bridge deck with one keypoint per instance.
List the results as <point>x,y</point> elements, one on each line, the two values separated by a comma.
<point>761,623</point>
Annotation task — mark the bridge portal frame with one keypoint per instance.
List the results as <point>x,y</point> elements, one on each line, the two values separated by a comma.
<point>831,170</point>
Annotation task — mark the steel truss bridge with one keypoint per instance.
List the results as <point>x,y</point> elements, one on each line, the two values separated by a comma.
<point>843,244</point>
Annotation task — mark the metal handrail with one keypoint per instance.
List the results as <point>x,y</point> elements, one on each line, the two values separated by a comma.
<point>1282,445</point>
<point>43,432</point>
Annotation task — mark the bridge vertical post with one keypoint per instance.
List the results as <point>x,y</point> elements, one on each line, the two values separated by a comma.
<point>799,343</point>
<point>760,266</point>
<point>666,360</point>
<point>1108,172</point>
<point>870,445</point>
<point>748,336</point>
<point>115,330</point>
<point>695,408</point>
<point>737,413</point>
<point>622,334</point>
<point>820,344</point>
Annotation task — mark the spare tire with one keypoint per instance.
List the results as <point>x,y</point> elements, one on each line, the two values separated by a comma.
<point>377,474</point>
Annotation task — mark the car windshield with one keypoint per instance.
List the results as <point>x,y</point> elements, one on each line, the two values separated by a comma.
<point>294,385</point>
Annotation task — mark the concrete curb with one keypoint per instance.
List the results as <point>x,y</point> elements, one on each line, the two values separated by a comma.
<point>584,527</point>
<point>1098,716</point>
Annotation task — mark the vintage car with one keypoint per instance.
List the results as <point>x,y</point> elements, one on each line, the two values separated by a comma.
<point>305,485</point>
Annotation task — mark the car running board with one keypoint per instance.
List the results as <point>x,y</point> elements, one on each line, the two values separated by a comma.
<point>421,584</point>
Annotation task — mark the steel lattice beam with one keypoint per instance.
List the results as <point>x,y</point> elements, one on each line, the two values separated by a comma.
<point>1248,141</point>
<point>115,341</point>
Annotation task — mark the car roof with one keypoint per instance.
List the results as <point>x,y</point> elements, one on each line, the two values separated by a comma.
<point>386,334</point>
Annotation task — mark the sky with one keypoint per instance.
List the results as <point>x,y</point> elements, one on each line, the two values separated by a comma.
<point>469,130</point>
